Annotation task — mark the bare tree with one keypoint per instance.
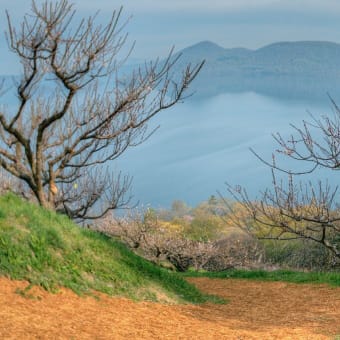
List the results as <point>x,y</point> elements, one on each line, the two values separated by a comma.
<point>143,232</point>
<point>294,210</point>
<point>77,110</point>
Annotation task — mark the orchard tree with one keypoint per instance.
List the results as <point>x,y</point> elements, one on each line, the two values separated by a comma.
<point>297,210</point>
<point>77,109</point>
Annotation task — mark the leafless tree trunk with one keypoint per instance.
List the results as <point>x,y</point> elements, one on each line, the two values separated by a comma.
<point>76,110</point>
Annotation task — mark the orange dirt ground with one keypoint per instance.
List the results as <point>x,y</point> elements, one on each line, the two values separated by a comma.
<point>256,310</point>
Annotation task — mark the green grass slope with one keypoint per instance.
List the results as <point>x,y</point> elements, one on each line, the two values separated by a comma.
<point>49,250</point>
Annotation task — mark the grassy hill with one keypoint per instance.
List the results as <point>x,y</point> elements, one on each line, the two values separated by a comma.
<point>49,250</point>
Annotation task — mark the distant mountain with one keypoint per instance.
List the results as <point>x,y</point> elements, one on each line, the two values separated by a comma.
<point>306,69</point>
<point>207,48</point>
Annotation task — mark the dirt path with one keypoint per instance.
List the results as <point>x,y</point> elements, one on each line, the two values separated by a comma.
<point>257,310</point>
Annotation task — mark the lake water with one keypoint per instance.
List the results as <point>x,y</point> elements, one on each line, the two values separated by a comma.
<point>202,144</point>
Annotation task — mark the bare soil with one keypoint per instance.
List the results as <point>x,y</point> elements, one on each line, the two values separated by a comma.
<point>256,310</point>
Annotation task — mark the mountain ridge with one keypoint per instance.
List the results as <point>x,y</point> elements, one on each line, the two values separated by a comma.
<point>293,69</point>
<point>208,43</point>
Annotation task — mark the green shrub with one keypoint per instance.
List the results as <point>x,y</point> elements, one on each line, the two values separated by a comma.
<point>299,254</point>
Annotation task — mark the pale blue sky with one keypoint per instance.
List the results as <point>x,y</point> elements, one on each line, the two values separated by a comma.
<point>156,25</point>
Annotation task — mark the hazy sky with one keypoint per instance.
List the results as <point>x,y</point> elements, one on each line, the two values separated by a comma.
<point>156,25</point>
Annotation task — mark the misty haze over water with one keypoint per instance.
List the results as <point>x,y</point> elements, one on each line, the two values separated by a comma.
<point>203,143</point>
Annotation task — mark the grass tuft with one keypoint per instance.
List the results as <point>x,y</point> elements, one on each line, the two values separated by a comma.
<point>331,278</point>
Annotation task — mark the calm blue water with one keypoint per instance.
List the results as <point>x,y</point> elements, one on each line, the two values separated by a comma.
<point>202,144</point>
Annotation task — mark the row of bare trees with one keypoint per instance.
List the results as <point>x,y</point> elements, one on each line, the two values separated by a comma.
<point>144,233</point>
